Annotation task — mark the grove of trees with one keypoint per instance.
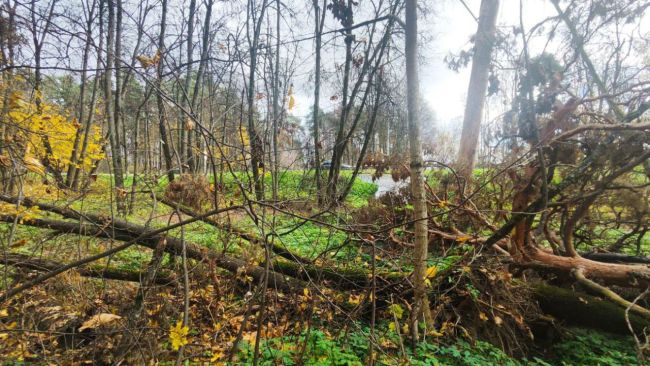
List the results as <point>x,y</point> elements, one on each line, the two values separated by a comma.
<point>264,182</point>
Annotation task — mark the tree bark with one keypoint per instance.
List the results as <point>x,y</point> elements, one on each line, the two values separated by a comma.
<point>43,265</point>
<point>162,122</point>
<point>256,145</point>
<point>319,20</point>
<point>185,147</point>
<point>74,156</point>
<point>483,45</point>
<point>116,156</point>
<point>420,302</point>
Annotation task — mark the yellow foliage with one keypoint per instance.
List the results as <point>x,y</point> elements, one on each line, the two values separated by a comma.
<point>354,299</point>
<point>22,212</point>
<point>178,335</point>
<point>57,128</point>
<point>431,272</point>
<point>292,100</point>
<point>243,135</point>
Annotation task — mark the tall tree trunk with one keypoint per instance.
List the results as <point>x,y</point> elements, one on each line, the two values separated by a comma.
<point>421,304</point>
<point>257,153</point>
<point>319,20</point>
<point>205,47</point>
<point>483,45</point>
<point>39,40</point>
<point>339,145</point>
<point>119,117</point>
<point>93,98</point>
<point>186,128</point>
<point>276,106</point>
<point>162,122</point>
<point>116,156</point>
<point>368,136</point>
<point>74,156</point>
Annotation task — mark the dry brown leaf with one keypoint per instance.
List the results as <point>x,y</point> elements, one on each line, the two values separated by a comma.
<point>34,165</point>
<point>497,320</point>
<point>98,320</point>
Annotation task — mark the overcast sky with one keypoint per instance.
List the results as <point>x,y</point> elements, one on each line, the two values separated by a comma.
<point>452,25</point>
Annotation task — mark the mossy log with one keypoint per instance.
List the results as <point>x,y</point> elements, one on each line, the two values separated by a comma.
<point>581,309</point>
<point>124,231</point>
<point>96,271</point>
<point>340,278</point>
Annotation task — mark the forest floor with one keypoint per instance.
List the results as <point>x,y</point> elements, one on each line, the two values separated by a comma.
<point>72,319</point>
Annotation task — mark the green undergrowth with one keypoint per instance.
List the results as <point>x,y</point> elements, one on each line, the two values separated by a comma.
<point>307,239</point>
<point>319,348</point>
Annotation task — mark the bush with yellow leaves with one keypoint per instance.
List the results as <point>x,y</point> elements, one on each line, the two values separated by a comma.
<point>33,126</point>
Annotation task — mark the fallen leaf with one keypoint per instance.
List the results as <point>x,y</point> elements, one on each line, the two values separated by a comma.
<point>178,335</point>
<point>98,320</point>
<point>497,320</point>
<point>431,272</point>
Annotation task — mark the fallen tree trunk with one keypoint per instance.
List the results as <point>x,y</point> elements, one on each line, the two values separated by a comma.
<point>581,309</point>
<point>296,272</point>
<point>103,226</point>
<point>41,265</point>
<point>575,308</point>
<point>203,217</point>
<point>616,258</point>
<point>347,278</point>
<point>626,275</point>
<point>131,232</point>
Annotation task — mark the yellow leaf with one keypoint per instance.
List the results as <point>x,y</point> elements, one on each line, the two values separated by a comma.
<point>435,333</point>
<point>4,313</point>
<point>464,238</point>
<point>482,316</point>
<point>354,299</point>
<point>216,356</point>
<point>305,291</point>
<point>98,320</point>
<point>292,102</point>
<point>178,335</point>
<point>391,326</point>
<point>396,310</point>
<point>431,272</point>
<point>249,337</point>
